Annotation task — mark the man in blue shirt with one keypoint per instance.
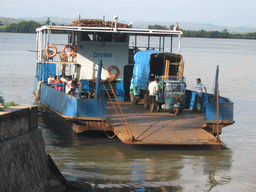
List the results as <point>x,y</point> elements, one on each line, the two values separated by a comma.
<point>199,95</point>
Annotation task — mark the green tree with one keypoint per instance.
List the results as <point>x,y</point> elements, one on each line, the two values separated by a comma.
<point>10,28</point>
<point>225,33</point>
<point>224,30</point>
<point>22,27</point>
<point>162,27</point>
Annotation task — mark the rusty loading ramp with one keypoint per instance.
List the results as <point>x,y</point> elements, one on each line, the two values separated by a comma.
<point>159,128</point>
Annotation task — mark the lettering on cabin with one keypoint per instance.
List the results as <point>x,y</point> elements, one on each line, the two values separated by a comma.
<point>102,55</point>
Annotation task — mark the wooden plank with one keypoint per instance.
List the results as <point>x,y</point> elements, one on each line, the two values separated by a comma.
<point>97,23</point>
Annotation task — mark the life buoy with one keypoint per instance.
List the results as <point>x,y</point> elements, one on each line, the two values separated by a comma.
<point>73,51</point>
<point>64,50</point>
<point>117,71</point>
<point>47,53</point>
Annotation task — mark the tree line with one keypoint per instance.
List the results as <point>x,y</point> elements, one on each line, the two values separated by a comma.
<point>208,34</point>
<point>30,27</point>
<point>21,27</point>
<point>218,34</point>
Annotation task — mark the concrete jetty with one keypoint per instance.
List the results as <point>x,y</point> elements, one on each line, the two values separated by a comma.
<point>24,164</point>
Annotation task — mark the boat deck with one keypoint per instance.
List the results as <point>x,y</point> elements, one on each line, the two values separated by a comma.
<point>159,128</point>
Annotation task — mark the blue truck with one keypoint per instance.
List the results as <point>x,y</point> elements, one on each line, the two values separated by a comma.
<point>168,68</point>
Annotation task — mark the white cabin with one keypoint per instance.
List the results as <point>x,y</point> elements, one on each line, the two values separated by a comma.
<point>114,46</point>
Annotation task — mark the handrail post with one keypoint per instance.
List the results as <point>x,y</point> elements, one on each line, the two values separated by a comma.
<point>218,113</point>
<point>179,44</point>
<point>98,80</point>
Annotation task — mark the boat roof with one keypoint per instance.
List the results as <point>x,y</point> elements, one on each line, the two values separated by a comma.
<point>131,31</point>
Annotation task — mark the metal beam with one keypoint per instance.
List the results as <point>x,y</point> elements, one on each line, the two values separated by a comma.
<point>148,42</point>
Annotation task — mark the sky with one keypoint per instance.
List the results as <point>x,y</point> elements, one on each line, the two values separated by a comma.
<point>218,12</point>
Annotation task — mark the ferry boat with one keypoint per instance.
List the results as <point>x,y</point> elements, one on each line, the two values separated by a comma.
<point>98,58</point>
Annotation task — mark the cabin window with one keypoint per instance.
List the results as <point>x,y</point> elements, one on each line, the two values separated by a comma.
<point>120,37</point>
<point>69,38</point>
<point>72,38</point>
<point>77,69</point>
<point>85,36</point>
<point>104,37</point>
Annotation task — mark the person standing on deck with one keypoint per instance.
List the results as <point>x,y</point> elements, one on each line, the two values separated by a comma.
<point>153,89</point>
<point>199,95</point>
<point>69,85</point>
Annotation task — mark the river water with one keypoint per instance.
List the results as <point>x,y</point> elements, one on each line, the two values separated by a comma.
<point>113,166</point>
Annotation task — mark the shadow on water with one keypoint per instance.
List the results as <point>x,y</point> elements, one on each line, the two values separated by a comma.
<point>110,165</point>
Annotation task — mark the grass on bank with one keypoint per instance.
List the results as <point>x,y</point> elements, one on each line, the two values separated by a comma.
<point>9,104</point>
<point>6,105</point>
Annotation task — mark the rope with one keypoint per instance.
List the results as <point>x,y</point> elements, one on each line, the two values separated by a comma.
<point>121,119</point>
<point>126,123</point>
<point>38,91</point>
<point>110,137</point>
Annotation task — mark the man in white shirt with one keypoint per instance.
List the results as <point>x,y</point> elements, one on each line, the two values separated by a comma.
<point>200,87</point>
<point>153,89</point>
<point>199,95</point>
<point>50,79</point>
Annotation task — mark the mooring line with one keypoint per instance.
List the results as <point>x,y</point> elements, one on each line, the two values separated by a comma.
<point>102,122</point>
<point>120,108</point>
<point>117,110</point>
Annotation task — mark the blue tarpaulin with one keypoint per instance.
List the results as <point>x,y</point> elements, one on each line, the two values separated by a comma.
<point>142,68</point>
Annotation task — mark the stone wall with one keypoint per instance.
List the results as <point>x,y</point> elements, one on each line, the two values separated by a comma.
<point>23,161</point>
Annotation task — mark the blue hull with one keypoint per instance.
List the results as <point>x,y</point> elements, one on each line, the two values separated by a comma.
<point>70,107</point>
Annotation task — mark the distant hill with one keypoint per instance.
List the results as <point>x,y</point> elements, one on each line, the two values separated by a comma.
<point>197,26</point>
<point>211,27</point>
<point>56,20</point>
<point>141,24</point>
<point>7,20</point>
